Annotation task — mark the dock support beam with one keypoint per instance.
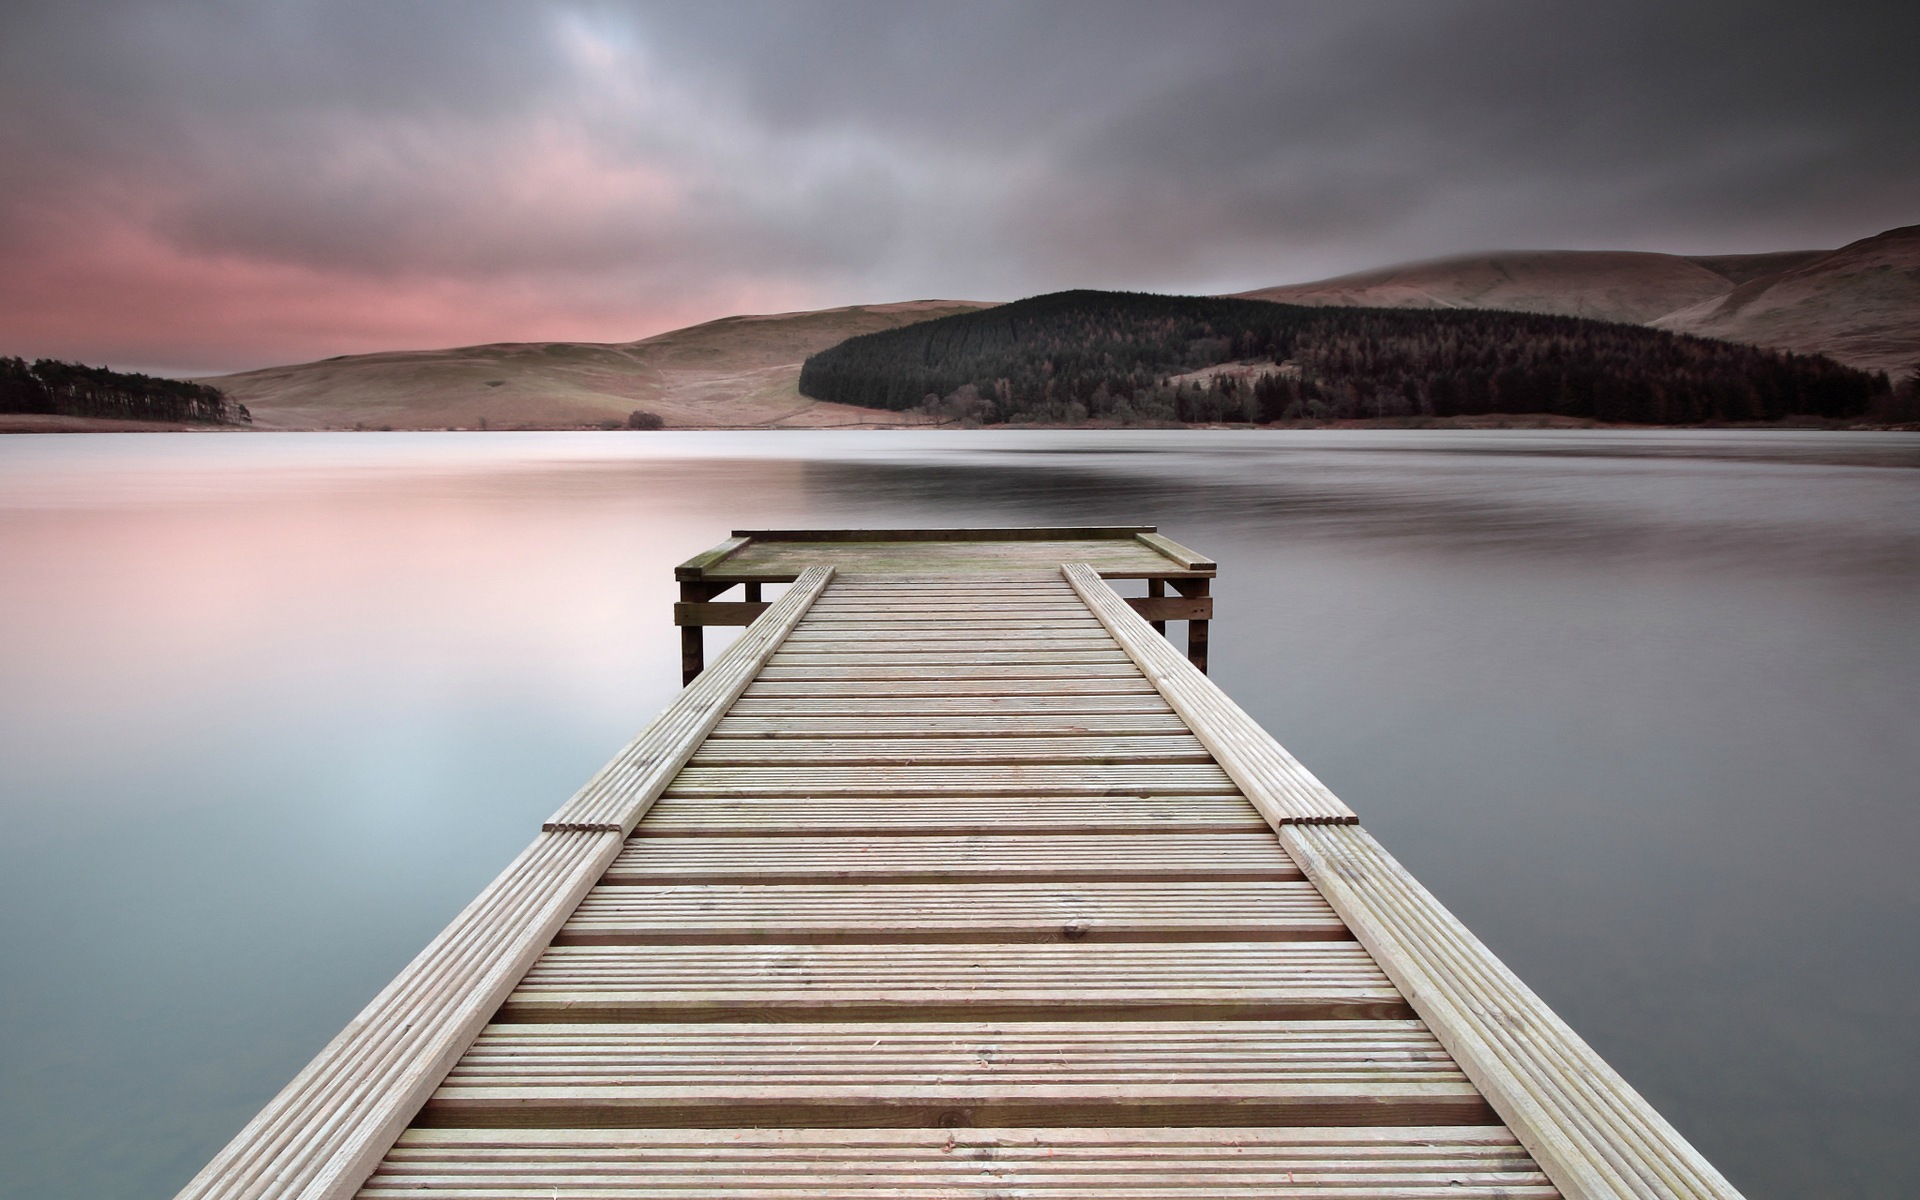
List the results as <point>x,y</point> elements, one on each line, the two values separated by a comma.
<point>1197,627</point>
<point>693,637</point>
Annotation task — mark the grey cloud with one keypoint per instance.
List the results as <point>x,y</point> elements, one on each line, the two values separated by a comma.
<point>866,150</point>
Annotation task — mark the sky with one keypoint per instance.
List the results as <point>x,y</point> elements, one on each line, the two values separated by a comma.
<point>193,187</point>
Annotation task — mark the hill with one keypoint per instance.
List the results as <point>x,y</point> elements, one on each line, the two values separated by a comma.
<point>738,371</point>
<point>1859,304</point>
<point>1604,285</point>
<point>1074,356</point>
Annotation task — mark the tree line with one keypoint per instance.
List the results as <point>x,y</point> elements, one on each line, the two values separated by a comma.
<point>1084,355</point>
<point>72,390</point>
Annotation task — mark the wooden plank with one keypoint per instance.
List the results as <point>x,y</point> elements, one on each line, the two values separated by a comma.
<point>1462,1162</point>
<point>718,612</point>
<point>999,779</point>
<point>909,688</point>
<point>661,861</point>
<point>1340,1073</point>
<point>620,793</point>
<point>943,655</point>
<point>853,728</point>
<point>1024,704</point>
<point>885,815</point>
<point>1004,669</point>
<point>972,533</point>
<point>770,560</point>
<point>327,1129</point>
<point>952,911</point>
<point>1172,608</point>
<point>1027,627</point>
<point>1279,786</point>
<point>696,567</point>
<point>1083,981</point>
<point>1166,748</point>
<point>924,651</point>
<point>1176,553</point>
<point>1590,1131</point>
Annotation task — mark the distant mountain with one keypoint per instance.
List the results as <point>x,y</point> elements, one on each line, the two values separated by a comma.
<point>1603,285</point>
<point>1130,357</point>
<point>738,371</point>
<point>1859,304</point>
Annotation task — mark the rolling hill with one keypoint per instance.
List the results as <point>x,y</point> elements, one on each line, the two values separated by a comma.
<point>1859,304</point>
<point>734,372</point>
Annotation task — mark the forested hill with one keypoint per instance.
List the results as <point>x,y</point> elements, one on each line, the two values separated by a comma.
<point>71,390</point>
<point>1074,356</point>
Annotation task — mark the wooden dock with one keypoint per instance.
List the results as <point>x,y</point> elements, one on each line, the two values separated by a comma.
<point>953,878</point>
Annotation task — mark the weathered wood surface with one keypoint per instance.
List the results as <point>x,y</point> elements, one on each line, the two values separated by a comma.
<point>954,815</point>
<point>912,858</point>
<point>620,793</point>
<point>951,910</point>
<point>1284,791</point>
<point>718,612</point>
<point>896,559</point>
<point>953,750</point>
<point>1462,1162</point>
<point>1595,1135</point>
<point>1116,1073</point>
<point>1067,980</point>
<point>932,851</point>
<point>327,1129</point>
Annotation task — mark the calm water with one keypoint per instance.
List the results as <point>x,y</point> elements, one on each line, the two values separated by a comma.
<point>1642,708</point>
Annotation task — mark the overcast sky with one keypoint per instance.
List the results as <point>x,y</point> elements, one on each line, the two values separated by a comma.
<point>200,185</point>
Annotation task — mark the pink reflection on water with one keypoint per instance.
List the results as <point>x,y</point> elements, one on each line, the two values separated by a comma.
<point>130,625</point>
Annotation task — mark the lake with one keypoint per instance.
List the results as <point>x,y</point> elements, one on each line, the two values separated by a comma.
<point>1643,708</point>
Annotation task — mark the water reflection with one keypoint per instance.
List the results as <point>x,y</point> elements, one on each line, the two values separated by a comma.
<point>1638,706</point>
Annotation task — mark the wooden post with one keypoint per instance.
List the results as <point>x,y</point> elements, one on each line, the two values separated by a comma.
<point>1157,588</point>
<point>693,643</point>
<point>753,592</point>
<point>1196,630</point>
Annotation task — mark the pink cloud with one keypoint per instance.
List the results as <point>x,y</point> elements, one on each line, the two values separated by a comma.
<point>101,286</point>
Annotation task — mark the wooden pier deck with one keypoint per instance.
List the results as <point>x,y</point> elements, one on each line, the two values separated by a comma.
<point>952,878</point>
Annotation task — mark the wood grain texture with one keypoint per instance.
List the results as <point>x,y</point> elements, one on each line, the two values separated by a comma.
<point>1176,553</point>
<point>952,815</point>
<point>950,751</point>
<point>939,726</point>
<point>952,911</point>
<point>327,1129</point>
<point>717,612</point>
<point>1283,790</point>
<point>620,793</point>
<point>660,861</point>
<point>1462,1162</point>
<point>1590,1131</point>
<point>1024,1073</point>
<point>962,845</point>
<point>947,981</point>
<point>992,779</point>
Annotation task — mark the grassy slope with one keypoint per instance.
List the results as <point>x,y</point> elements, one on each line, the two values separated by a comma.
<point>1860,303</point>
<point>739,371</point>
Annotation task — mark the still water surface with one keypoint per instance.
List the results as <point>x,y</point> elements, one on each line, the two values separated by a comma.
<point>1643,708</point>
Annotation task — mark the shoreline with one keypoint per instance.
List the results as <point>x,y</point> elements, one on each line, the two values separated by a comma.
<point>29,423</point>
